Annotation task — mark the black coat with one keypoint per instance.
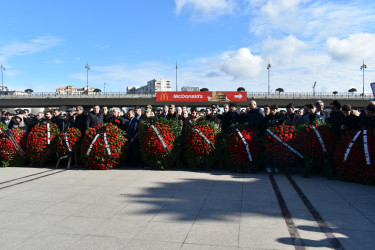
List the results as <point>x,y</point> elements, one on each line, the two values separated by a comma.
<point>230,118</point>
<point>80,123</point>
<point>94,120</point>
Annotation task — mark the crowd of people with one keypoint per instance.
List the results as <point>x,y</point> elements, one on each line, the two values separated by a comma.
<point>341,117</point>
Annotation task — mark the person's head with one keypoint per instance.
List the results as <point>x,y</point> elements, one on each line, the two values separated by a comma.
<point>208,111</point>
<point>148,112</point>
<point>336,105</point>
<point>274,109</point>
<point>290,108</point>
<point>172,109</point>
<point>252,104</point>
<point>185,114</point>
<point>18,118</point>
<point>267,109</point>
<point>232,107</point>
<point>79,110</point>
<point>66,116</point>
<point>370,110</point>
<point>23,113</point>
<point>184,108</point>
<point>214,107</point>
<point>319,105</point>
<point>226,108</point>
<point>96,109</point>
<point>202,112</point>
<point>70,111</point>
<point>179,110</point>
<point>193,112</point>
<point>8,115</point>
<point>165,109</point>
<point>40,116</point>
<point>49,115</point>
<point>27,112</point>
<point>309,108</point>
<point>138,111</point>
<point>56,112</point>
<point>243,111</point>
<point>105,109</point>
<point>301,111</point>
<point>131,113</point>
<point>346,110</point>
<point>116,112</point>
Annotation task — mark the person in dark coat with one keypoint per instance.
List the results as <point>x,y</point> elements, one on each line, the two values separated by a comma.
<point>349,121</point>
<point>116,119</point>
<point>106,114</point>
<point>310,117</point>
<point>319,109</point>
<point>336,116</point>
<point>58,119</point>
<point>255,116</point>
<point>133,155</point>
<point>94,118</point>
<point>367,118</point>
<point>231,117</point>
<point>292,118</point>
<point>274,118</point>
<point>80,119</point>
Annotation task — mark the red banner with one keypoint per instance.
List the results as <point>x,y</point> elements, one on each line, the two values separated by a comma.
<point>201,96</point>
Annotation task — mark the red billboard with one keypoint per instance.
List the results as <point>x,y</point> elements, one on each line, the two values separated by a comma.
<point>201,96</point>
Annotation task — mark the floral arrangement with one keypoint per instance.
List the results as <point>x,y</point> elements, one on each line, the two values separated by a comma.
<point>99,157</point>
<point>276,150</point>
<point>356,168</point>
<point>317,144</point>
<point>38,149</point>
<point>74,135</point>
<point>154,153</point>
<point>9,155</point>
<point>200,150</point>
<point>239,159</point>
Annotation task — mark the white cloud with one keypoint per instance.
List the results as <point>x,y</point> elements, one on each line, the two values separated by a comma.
<point>355,47</point>
<point>205,9</point>
<point>30,47</point>
<point>242,64</point>
<point>55,61</point>
<point>283,52</point>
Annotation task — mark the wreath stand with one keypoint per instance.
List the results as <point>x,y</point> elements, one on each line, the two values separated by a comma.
<point>69,157</point>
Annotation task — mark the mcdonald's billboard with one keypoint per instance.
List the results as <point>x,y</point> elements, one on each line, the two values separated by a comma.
<point>201,96</point>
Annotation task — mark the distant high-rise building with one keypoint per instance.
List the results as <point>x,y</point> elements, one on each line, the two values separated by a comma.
<point>151,88</point>
<point>187,88</point>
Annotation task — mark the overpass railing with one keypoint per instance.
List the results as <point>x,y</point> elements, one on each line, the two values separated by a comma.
<point>255,95</point>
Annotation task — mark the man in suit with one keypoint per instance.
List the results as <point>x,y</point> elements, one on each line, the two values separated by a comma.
<point>133,155</point>
<point>94,118</point>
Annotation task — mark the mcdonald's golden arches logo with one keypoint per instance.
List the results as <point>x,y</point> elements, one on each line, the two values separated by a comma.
<point>164,97</point>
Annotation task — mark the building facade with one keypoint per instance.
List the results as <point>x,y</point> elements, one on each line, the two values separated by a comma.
<point>151,88</point>
<point>70,90</point>
<point>187,88</point>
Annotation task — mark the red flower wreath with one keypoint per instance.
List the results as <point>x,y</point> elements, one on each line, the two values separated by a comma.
<point>8,152</point>
<point>99,157</point>
<point>151,143</point>
<point>38,149</point>
<point>237,149</point>
<point>199,153</point>
<point>355,168</point>
<point>310,145</point>
<point>276,150</point>
<point>74,135</point>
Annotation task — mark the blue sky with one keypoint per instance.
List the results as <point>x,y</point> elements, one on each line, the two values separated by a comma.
<point>219,44</point>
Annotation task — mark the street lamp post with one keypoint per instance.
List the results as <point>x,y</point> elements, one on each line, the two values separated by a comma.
<point>176,76</point>
<point>363,67</point>
<point>314,88</point>
<point>2,83</point>
<point>88,68</point>
<point>268,68</point>
<point>104,88</point>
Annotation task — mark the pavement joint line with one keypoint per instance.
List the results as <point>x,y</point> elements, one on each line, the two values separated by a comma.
<point>292,229</point>
<point>318,218</point>
<point>39,177</point>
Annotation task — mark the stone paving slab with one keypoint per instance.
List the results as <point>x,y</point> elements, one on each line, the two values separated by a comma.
<point>145,209</point>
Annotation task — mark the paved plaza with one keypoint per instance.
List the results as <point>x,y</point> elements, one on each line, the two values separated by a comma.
<point>44,208</point>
